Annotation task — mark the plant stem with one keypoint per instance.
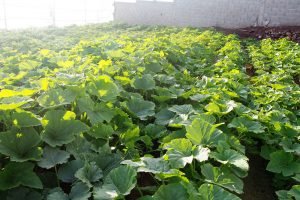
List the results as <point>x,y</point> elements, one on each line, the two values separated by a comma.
<point>57,180</point>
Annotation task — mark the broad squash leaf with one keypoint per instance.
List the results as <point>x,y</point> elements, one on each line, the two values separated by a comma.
<point>146,82</point>
<point>204,133</point>
<point>24,194</point>
<point>171,191</point>
<point>179,152</point>
<point>16,174</point>
<point>141,108</point>
<point>244,124</point>
<point>52,157</point>
<point>222,177</point>
<point>80,191</point>
<point>56,97</point>
<point>214,192</point>
<point>22,118</point>
<point>61,127</point>
<point>283,162</point>
<point>104,88</point>
<point>66,172</point>
<point>89,173</point>
<point>119,182</point>
<point>232,157</point>
<point>20,145</point>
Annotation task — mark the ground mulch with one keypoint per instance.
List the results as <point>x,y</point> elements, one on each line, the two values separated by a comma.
<point>290,32</point>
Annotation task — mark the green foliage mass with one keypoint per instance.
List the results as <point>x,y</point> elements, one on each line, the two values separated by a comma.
<point>151,113</point>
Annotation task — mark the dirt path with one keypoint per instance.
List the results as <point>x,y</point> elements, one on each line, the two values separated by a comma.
<point>258,184</point>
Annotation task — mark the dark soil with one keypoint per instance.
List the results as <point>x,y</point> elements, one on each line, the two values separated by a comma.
<point>290,32</point>
<point>258,184</point>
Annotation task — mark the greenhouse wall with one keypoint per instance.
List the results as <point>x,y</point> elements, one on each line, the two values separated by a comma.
<point>207,13</point>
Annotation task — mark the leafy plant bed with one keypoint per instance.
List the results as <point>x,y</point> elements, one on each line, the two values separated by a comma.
<point>112,111</point>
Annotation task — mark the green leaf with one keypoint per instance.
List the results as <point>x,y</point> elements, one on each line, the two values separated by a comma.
<point>164,117</point>
<point>56,194</point>
<point>290,147</point>
<point>23,118</point>
<point>244,124</point>
<point>89,173</point>
<point>97,113</point>
<point>153,67</point>
<point>179,152</point>
<point>146,82</point>
<point>80,191</point>
<point>232,157</point>
<point>204,133</point>
<point>282,162</point>
<point>130,136</point>
<point>182,110</point>
<point>150,165</point>
<point>16,174</point>
<point>140,108</point>
<point>214,192</point>
<point>104,88</point>
<point>102,131</point>
<point>24,194</point>
<point>119,181</point>
<point>20,145</point>
<point>12,103</point>
<point>199,97</point>
<point>201,153</point>
<point>171,191</point>
<point>61,127</point>
<point>53,157</point>
<point>66,172</point>
<point>56,97</point>
<point>222,177</point>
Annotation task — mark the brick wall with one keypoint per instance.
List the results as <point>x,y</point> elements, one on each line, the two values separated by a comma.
<point>207,13</point>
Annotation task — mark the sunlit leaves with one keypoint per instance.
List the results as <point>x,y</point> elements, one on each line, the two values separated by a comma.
<point>59,130</point>
<point>204,133</point>
<point>104,88</point>
<point>56,97</point>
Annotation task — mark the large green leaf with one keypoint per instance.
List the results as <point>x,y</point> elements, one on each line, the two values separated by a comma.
<point>244,124</point>
<point>141,108</point>
<point>103,131</point>
<point>24,194</point>
<point>22,118</point>
<point>12,103</point>
<point>52,157</point>
<point>151,165</point>
<point>16,174</point>
<point>179,152</point>
<point>56,194</point>
<point>20,145</point>
<point>214,192</point>
<point>146,82</point>
<point>232,157</point>
<point>89,173</point>
<point>66,172</point>
<point>119,181</point>
<point>80,191</point>
<point>104,88</point>
<point>204,133</point>
<point>222,177</point>
<point>171,191</point>
<point>61,127</point>
<point>97,113</point>
<point>56,97</point>
<point>283,162</point>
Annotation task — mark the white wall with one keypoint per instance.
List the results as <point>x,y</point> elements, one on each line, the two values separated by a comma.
<point>207,13</point>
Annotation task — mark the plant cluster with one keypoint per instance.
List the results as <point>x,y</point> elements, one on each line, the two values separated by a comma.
<point>151,113</point>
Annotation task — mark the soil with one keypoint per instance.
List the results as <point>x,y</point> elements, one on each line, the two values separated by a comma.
<point>258,183</point>
<point>291,32</point>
